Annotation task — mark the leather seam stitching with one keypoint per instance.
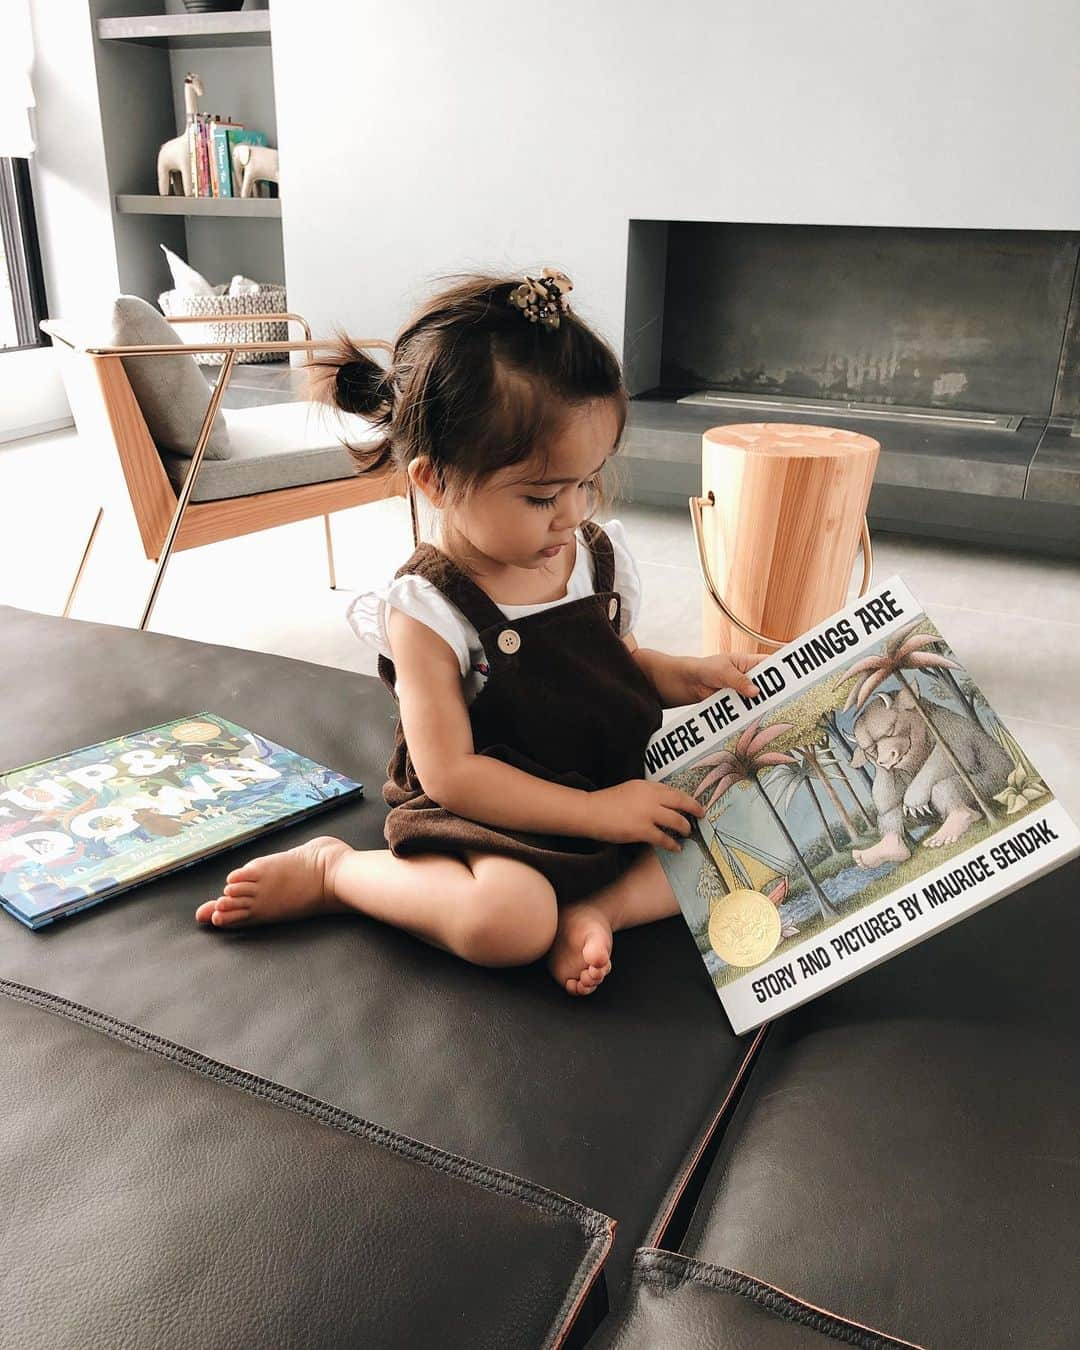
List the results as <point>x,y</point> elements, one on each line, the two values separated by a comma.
<point>678,1270</point>
<point>596,1226</point>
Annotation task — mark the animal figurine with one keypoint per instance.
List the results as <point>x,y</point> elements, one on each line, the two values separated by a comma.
<point>258,163</point>
<point>174,157</point>
<point>913,773</point>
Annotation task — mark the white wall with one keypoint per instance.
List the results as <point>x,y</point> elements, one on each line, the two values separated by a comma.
<point>71,203</point>
<point>424,137</point>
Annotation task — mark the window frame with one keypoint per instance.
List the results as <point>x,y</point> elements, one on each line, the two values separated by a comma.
<point>22,250</point>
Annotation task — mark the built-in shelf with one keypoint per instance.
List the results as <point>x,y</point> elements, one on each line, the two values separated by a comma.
<point>242,28</point>
<point>135,204</point>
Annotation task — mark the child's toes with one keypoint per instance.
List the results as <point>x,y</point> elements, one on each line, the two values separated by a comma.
<point>228,902</point>
<point>205,912</point>
<point>225,918</point>
<point>249,872</point>
<point>595,951</point>
<point>234,889</point>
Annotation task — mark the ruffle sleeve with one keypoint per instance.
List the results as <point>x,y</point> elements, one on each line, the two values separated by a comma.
<point>368,612</point>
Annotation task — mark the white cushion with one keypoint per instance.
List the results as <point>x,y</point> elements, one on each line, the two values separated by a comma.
<point>277,445</point>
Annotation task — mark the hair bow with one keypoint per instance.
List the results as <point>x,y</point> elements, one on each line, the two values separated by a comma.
<point>543,299</point>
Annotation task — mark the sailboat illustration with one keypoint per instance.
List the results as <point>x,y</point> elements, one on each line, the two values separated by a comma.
<point>745,866</point>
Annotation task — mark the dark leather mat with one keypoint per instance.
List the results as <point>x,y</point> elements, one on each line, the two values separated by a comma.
<point>906,1150</point>
<point>675,1302</point>
<point>153,1198</point>
<point>606,1100</point>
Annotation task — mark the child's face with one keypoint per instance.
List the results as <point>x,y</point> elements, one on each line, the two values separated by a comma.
<point>526,515</point>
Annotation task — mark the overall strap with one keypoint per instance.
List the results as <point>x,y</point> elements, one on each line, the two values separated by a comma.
<point>447,578</point>
<point>603,556</point>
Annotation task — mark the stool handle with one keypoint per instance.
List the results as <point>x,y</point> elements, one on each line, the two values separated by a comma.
<point>696,504</point>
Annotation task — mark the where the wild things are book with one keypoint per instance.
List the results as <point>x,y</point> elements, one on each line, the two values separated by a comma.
<point>868,797</point>
<point>84,826</point>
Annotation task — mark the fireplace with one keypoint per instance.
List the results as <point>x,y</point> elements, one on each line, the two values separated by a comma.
<point>959,350</point>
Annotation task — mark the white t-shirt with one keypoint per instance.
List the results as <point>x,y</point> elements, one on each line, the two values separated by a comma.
<point>418,598</point>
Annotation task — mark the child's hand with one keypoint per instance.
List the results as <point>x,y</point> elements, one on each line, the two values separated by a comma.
<point>638,812</point>
<point>725,670</point>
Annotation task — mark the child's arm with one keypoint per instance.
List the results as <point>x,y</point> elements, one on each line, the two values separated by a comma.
<point>437,731</point>
<point>679,680</point>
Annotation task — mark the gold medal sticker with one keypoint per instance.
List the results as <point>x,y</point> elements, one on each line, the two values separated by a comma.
<point>744,928</point>
<point>195,732</point>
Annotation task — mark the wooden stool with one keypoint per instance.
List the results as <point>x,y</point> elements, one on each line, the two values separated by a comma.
<point>777,527</point>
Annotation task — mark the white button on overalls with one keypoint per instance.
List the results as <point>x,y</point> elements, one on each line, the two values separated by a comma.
<point>509,641</point>
<point>612,609</point>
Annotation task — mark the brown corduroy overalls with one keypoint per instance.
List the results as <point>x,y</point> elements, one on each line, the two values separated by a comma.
<point>564,701</point>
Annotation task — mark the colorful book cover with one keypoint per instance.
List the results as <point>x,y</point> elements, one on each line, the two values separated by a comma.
<point>206,189</point>
<point>222,159</point>
<point>867,798</point>
<point>211,157</point>
<point>82,827</point>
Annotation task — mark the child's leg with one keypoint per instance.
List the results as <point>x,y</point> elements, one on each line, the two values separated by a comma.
<point>580,957</point>
<point>490,910</point>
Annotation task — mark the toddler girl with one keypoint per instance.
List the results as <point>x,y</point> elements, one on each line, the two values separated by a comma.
<point>519,823</point>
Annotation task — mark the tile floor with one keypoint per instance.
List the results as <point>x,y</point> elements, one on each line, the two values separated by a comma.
<point>1014,620</point>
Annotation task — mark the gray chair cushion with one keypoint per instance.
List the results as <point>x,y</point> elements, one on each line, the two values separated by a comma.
<point>278,445</point>
<point>170,390</point>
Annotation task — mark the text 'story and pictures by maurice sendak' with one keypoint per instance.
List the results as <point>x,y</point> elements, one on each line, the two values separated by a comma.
<point>868,797</point>
<point>84,826</point>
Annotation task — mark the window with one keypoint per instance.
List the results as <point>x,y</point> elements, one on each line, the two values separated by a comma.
<point>22,285</point>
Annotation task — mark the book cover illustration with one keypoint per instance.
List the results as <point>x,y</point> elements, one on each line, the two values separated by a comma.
<point>80,827</point>
<point>869,796</point>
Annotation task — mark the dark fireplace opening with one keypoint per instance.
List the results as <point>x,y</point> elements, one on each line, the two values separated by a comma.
<point>951,320</point>
<point>958,349</point>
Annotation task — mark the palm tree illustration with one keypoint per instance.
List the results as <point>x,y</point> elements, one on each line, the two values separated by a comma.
<point>786,779</point>
<point>828,770</point>
<point>744,764</point>
<point>842,753</point>
<point>903,652</point>
<point>840,740</point>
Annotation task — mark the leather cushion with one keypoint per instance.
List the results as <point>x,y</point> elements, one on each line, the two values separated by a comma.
<point>905,1151</point>
<point>154,1199</point>
<point>608,1100</point>
<point>678,1302</point>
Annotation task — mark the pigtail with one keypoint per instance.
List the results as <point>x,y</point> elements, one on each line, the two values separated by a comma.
<point>345,377</point>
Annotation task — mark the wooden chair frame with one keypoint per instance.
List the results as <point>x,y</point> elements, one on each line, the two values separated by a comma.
<point>169,521</point>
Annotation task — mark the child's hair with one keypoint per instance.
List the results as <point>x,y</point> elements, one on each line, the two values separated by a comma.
<point>471,384</point>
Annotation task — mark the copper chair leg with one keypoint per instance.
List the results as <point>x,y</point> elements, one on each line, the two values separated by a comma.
<point>82,564</point>
<point>189,483</point>
<point>330,553</point>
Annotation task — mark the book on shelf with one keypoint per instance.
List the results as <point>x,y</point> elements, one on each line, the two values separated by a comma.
<point>867,798</point>
<point>221,159</point>
<point>82,827</point>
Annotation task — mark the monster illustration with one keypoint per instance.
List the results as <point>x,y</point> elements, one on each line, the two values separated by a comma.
<point>914,776</point>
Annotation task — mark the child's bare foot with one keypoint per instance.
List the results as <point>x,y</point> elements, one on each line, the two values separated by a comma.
<point>580,956</point>
<point>289,885</point>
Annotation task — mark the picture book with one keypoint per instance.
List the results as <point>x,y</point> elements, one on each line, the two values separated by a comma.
<point>82,827</point>
<point>868,797</point>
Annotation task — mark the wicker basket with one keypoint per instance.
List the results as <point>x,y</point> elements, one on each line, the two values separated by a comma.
<point>269,300</point>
